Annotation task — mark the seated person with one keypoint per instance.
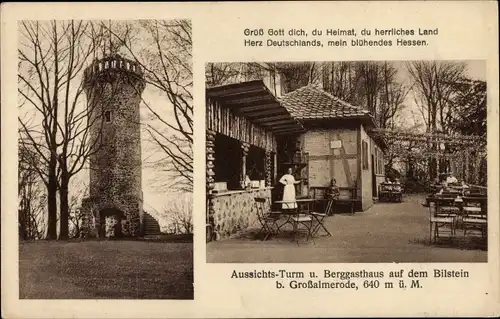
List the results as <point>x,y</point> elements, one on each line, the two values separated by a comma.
<point>333,191</point>
<point>397,186</point>
<point>444,187</point>
<point>451,180</point>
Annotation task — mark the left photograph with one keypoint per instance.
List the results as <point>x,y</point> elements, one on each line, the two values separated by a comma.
<point>105,159</point>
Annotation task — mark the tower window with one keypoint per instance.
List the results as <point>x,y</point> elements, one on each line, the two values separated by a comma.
<point>107,116</point>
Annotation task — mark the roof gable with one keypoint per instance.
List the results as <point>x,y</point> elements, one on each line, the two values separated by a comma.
<point>310,103</point>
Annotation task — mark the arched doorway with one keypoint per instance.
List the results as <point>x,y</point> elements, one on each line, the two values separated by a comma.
<point>111,223</point>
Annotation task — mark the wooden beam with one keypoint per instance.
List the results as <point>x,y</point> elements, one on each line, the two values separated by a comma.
<point>267,119</point>
<point>263,112</point>
<point>278,122</point>
<point>226,92</point>
<point>237,102</point>
<point>332,156</point>
<point>287,131</point>
<point>283,126</point>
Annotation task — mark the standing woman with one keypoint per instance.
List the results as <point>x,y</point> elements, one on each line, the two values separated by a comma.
<point>289,190</point>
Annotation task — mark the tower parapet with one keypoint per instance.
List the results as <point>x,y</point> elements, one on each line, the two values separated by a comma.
<point>103,69</point>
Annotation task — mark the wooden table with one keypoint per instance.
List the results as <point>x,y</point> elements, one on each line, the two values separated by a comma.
<point>319,218</point>
<point>300,202</point>
<point>296,212</point>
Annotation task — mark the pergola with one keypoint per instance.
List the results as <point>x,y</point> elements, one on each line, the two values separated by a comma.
<point>458,150</point>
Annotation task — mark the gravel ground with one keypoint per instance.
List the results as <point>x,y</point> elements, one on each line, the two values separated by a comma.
<point>387,232</point>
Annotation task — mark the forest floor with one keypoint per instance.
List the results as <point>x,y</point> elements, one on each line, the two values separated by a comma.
<point>387,232</point>
<point>105,269</point>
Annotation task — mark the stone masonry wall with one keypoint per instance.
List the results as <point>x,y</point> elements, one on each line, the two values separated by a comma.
<point>237,211</point>
<point>115,169</point>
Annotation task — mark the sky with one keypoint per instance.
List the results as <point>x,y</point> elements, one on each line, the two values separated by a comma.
<point>475,69</point>
<point>155,198</point>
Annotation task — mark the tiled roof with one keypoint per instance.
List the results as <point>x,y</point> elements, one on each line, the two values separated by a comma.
<point>310,102</point>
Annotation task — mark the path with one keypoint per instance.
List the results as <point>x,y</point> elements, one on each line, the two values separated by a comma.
<point>387,232</point>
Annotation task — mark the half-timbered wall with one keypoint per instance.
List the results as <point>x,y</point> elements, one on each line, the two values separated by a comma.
<point>222,120</point>
<point>326,162</point>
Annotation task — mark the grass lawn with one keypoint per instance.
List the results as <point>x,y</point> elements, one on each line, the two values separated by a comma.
<point>102,269</point>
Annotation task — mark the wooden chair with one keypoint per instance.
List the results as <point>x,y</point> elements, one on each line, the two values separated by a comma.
<point>267,219</point>
<point>442,213</point>
<point>320,217</point>
<point>297,219</point>
<point>475,215</point>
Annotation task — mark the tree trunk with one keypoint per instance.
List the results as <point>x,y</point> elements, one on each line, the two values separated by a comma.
<point>64,209</point>
<point>22,224</point>
<point>77,230</point>
<point>52,199</point>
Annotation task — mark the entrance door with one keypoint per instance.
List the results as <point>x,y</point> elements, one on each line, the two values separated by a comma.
<point>110,222</point>
<point>374,178</point>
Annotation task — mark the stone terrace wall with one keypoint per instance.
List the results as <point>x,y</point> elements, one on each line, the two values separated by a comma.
<point>237,211</point>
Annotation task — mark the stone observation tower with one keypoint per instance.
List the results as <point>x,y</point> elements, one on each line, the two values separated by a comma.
<point>113,86</point>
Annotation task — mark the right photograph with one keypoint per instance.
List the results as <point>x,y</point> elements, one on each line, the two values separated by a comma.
<point>346,161</point>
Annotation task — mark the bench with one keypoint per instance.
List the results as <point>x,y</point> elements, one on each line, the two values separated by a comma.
<point>348,197</point>
<point>475,214</point>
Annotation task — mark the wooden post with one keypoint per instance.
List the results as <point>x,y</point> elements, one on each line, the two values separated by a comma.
<point>210,177</point>
<point>245,147</point>
<point>210,160</point>
<point>477,168</point>
<point>275,166</point>
<point>467,176</point>
<point>437,163</point>
<point>268,164</point>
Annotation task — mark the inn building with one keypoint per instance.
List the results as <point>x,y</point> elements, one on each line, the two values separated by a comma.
<point>254,133</point>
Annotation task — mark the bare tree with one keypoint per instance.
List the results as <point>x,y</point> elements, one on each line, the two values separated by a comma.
<point>165,55</point>
<point>371,84</point>
<point>297,74</point>
<point>434,85</point>
<point>223,73</point>
<point>340,79</point>
<point>52,58</point>
<point>370,75</point>
<point>32,198</point>
<point>392,97</point>
<point>179,214</point>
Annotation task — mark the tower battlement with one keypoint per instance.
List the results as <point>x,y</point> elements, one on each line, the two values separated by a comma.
<point>114,64</point>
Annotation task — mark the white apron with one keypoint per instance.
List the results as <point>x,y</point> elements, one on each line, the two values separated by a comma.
<point>288,191</point>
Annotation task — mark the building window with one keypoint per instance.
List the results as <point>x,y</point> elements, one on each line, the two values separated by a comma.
<point>107,116</point>
<point>364,154</point>
<point>256,163</point>
<point>379,161</point>
<point>227,161</point>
